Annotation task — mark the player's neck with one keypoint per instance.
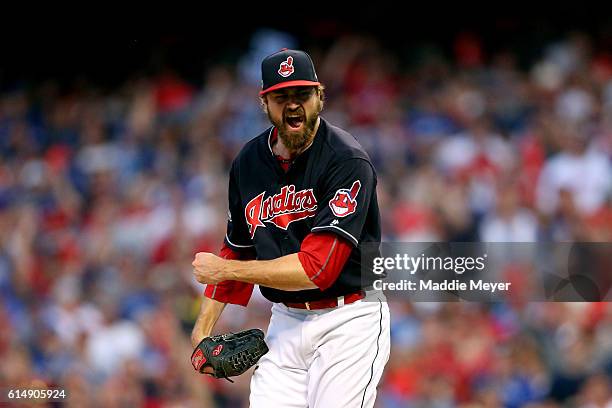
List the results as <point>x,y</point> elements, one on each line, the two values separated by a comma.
<point>283,151</point>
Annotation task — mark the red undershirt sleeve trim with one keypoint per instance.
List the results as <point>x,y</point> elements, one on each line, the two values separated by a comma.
<point>323,256</point>
<point>331,252</point>
<point>235,292</point>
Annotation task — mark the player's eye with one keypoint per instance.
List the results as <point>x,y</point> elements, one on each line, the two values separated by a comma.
<point>304,95</point>
<point>300,96</point>
<point>280,98</point>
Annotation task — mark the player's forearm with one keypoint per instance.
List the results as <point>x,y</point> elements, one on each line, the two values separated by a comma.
<point>285,273</point>
<point>210,311</point>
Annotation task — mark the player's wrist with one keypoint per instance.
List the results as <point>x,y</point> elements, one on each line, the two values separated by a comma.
<point>231,270</point>
<point>195,340</point>
<point>198,334</point>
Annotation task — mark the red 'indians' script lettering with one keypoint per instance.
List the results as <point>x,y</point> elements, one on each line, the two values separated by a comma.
<point>280,209</point>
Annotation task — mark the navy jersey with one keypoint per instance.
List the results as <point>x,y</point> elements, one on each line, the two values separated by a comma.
<point>330,187</point>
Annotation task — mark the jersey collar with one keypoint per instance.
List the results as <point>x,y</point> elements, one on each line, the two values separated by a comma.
<point>273,135</point>
<point>302,158</point>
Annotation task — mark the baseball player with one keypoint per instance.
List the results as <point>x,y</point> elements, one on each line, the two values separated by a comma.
<point>302,198</point>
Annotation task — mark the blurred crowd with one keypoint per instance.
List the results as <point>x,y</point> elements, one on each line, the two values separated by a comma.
<point>105,196</point>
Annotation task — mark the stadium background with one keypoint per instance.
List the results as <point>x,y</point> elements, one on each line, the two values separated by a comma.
<point>113,173</point>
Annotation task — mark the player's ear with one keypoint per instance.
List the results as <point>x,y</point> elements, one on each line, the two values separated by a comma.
<point>264,103</point>
<point>321,93</point>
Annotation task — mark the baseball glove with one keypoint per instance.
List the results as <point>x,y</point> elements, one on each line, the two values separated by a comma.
<point>229,354</point>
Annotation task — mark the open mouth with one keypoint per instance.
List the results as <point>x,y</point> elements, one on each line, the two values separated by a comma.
<point>294,122</point>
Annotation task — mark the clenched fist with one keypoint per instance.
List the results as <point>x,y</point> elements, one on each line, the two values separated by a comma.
<point>209,268</point>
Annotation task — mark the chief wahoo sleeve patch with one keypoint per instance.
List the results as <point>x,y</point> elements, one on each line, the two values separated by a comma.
<point>344,201</point>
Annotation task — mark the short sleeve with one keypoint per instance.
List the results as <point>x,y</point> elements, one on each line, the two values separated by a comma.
<point>346,194</point>
<point>237,236</point>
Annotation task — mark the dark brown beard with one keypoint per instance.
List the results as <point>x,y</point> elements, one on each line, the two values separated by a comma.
<point>297,141</point>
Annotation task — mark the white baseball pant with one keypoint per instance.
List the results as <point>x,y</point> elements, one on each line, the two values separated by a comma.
<point>324,358</point>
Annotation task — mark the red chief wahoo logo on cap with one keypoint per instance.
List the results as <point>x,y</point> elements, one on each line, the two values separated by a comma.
<point>286,67</point>
<point>344,202</point>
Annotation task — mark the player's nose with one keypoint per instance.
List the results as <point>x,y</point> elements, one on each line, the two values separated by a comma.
<point>292,104</point>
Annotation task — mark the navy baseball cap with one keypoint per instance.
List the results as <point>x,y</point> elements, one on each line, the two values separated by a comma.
<point>287,68</point>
